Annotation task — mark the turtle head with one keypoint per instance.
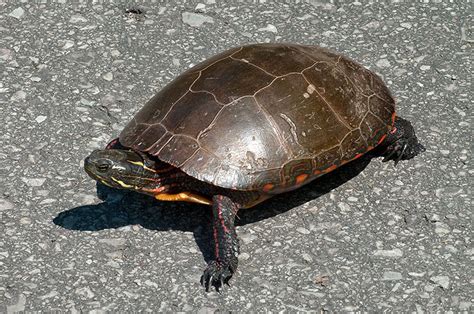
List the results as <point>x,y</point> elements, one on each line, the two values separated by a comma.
<point>124,169</point>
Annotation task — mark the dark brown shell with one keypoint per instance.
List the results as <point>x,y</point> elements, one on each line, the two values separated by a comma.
<point>264,117</point>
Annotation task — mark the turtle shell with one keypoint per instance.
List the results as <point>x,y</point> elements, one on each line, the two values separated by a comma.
<point>266,117</point>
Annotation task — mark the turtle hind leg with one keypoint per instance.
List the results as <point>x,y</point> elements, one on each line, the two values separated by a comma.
<point>225,243</point>
<point>401,143</point>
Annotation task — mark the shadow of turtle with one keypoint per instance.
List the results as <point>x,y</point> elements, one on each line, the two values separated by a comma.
<point>122,208</point>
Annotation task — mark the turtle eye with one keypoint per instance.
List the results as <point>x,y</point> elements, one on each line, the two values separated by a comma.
<point>103,165</point>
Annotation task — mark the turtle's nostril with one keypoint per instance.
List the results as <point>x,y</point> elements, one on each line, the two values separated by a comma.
<point>103,165</point>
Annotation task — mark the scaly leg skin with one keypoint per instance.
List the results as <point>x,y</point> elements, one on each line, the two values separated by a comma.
<point>226,244</point>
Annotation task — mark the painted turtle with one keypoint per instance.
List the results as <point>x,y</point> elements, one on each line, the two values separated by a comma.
<point>249,123</point>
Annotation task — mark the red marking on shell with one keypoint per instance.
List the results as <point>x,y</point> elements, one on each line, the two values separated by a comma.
<point>382,138</point>
<point>358,155</point>
<point>330,168</point>
<point>393,130</point>
<point>268,187</point>
<point>300,178</point>
<point>317,171</point>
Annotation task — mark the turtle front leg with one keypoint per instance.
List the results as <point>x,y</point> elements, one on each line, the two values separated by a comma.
<point>225,243</point>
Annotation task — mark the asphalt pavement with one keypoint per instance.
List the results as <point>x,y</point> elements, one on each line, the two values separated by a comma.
<point>367,237</point>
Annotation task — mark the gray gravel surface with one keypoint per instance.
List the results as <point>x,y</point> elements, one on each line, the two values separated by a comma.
<point>369,236</point>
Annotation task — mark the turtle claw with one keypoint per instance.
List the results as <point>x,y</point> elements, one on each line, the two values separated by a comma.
<point>216,274</point>
<point>401,154</point>
<point>396,153</point>
<point>389,156</point>
<point>402,150</point>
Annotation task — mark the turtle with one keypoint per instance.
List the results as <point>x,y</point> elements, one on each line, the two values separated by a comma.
<point>250,123</point>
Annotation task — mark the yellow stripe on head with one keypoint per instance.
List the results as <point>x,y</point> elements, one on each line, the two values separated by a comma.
<point>122,184</point>
<point>141,164</point>
<point>138,163</point>
<point>105,183</point>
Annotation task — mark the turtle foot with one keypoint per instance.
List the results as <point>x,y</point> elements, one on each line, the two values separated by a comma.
<point>403,149</point>
<point>217,274</point>
<point>401,142</point>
